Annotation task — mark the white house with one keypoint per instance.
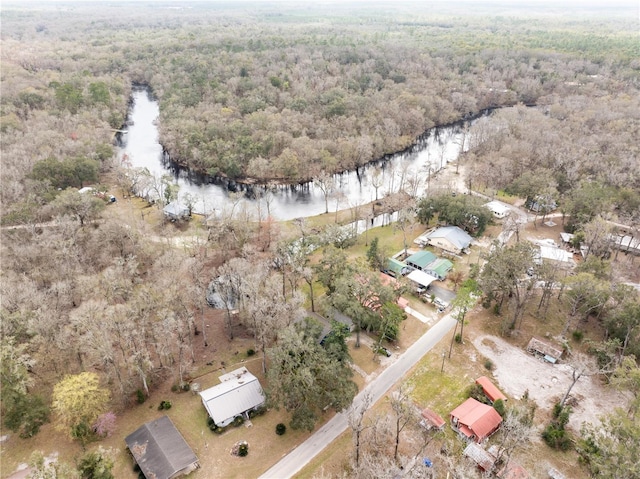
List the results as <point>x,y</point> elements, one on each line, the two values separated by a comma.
<point>238,393</point>
<point>499,210</point>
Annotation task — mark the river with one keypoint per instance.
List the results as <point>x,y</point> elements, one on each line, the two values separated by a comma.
<point>406,170</point>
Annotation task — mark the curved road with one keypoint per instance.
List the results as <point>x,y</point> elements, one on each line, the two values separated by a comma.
<point>305,452</point>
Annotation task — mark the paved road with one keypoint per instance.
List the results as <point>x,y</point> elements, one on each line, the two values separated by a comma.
<point>305,452</point>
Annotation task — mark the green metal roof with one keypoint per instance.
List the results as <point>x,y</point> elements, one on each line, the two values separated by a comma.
<point>395,266</point>
<point>421,259</point>
<point>441,267</point>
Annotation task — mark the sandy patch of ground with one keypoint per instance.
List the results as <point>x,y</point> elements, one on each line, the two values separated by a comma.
<point>516,371</point>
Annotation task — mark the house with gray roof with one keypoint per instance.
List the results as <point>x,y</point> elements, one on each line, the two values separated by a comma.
<point>238,393</point>
<point>449,238</point>
<point>160,450</point>
<point>176,211</point>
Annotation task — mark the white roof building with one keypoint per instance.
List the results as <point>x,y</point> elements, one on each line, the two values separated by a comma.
<point>556,254</point>
<point>499,210</point>
<point>422,278</point>
<point>238,393</point>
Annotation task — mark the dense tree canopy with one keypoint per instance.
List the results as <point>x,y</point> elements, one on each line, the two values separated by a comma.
<point>304,377</point>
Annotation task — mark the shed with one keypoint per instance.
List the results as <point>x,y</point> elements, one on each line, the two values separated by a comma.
<point>431,419</point>
<point>175,211</point>
<point>566,238</point>
<point>238,393</point>
<point>439,268</point>
<point>421,278</point>
<point>546,351</point>
<point>499,210</point>
<point>421,259</point>
<point>475,420</point>
<point>483,458</point>
<point>396,268</point>
<point>450,238</point>
<point>161,451</point>
<point>490,390</point>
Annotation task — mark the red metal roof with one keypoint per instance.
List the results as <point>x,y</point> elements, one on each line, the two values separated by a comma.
<point>479,418</point>
<point>433,417</point>
<point>491,391</point>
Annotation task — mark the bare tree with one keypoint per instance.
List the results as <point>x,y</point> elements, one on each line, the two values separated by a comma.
<point>403,410</point>
<point>326,184</point>
<point>355,417</point>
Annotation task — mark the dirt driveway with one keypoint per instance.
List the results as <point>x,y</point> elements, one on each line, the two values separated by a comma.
<point>516,371</point>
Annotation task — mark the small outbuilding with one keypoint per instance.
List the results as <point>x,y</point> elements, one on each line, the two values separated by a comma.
<point>396,268</point>
<point>490,390</point>
<point>432,420</point>
<point>544,350</point>
<point>160,450</point>
<point>474,420</point>
<point>483,458</point>
<point>238,393</point>
<point>499,210</point>
<point>450,238</point>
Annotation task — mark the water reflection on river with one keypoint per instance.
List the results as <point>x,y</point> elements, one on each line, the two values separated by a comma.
<point>407,170</point>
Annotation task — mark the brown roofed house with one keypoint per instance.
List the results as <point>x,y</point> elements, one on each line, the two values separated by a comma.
<point>475,420</point>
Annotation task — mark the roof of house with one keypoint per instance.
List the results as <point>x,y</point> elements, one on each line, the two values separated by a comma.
<point>479,419</point>
<point>490,390</point>
<point>433,418</point>
<point>239,391</point>
<point>421,278</point>
<point>555,254</point>
<point>175,209</point>
<point>484,459</point>
<point>159,449</point>
<point>441,267</point>
<point>421,259</point>
<point>453,234</point>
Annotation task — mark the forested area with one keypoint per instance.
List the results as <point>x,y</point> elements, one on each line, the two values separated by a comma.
<point>262,94</point>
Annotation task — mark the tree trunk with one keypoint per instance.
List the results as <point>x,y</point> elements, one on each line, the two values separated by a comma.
<point>455,329</point>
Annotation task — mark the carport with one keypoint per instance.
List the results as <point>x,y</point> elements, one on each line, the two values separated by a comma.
<point>421,278</point>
